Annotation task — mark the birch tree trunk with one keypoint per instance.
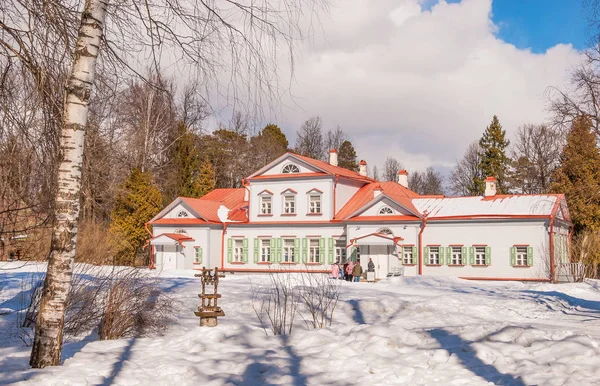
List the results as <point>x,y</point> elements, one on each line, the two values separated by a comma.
<point>47,344</point>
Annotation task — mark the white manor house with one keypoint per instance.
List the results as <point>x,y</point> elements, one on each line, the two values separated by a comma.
<point>298,213</point>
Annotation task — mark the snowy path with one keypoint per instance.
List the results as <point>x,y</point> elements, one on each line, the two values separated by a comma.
<point>415,331</point>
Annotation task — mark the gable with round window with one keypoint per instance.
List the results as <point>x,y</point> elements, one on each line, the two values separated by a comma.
<point>290,168</point>
<point>385,231</point>
<point>182,213</point>
<point>386,210</point>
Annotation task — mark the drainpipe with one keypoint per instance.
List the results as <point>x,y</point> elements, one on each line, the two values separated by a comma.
<point>570,245</point>
<point>421,245</point>
<point>223,245</point>
<point>552,248</point>
<point>335,182</point>
<point>152,265</point>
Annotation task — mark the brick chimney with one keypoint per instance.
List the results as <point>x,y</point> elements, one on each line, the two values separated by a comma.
<point>333,157</point>
<point>402,178</point>
<point>490,187</point>
<point>362,167</point>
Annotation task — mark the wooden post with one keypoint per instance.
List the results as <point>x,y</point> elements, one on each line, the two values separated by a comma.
<point>209,310</point>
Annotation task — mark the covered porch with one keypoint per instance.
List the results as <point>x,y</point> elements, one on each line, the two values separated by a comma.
<point>383,248</point>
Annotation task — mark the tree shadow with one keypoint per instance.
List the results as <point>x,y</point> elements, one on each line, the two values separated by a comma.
<point>454,344</point>
<point>120,362</point>
<point>358,314</point>
<point>571,301</point>
<point>295,362</point>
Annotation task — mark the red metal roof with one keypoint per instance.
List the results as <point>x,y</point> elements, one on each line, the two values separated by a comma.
<point>182,221</point>
<point>180,238</point>
<point>393,190</point>
<point>208,205</point>
<point>335,170</point>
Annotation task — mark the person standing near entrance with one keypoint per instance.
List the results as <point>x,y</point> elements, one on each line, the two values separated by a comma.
<point>371,266</point>
<point>357,272</point>
<point>349,270</point>
<point>335,270</point>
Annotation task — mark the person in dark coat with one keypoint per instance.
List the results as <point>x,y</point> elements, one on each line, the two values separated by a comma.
<point>357,272</point>
<point>371,266</point>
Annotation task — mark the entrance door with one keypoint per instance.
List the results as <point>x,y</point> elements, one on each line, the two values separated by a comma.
<point>380,256</point>
<point>169,257</point>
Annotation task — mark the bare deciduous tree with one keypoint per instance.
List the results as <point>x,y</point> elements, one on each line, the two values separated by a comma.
<point>391,167</point>
<point>334,139</point>
<point>309,140</point>
<point>428,182</point>
<point>467,169</point>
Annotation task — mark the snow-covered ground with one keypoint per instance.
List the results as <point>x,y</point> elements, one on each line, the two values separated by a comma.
<point>414,331</point>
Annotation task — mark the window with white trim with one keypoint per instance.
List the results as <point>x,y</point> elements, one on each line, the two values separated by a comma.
<point>290,168</point>
<point>340,250</point>
<point>265,250</point>
<point>288,250</point>
<point>289,204</point>
<point>238,250</point>
<point>434,255</point>
<point>314,203</point>
<point>313,250</point>
<point>521,256</point>
<point>479,255</point>
<point>266,202</point>
<point>407,255</point>
<point>386,210</point>
<point>457,256</point>
<point>197,255</point>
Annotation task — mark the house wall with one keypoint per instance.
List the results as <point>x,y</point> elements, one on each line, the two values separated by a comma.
<point>344,191</point>
<point>185,259</point>
<point>500,236</point>
<point>274,232</point>
<point>374,209</point>
<point>302,187</point>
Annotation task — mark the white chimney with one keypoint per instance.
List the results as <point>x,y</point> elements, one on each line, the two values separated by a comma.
<point>490,187</point>
<point>403,178</point>
<point>362,167</point>
<point>333,157</point>
<point>246,193</point>
<point>376,191</point>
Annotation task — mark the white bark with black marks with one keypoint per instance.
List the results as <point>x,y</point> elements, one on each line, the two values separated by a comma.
<point>50,322</point>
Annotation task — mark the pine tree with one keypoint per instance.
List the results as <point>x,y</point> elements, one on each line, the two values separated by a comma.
<point>137,201</point>
<point>578,175</point>
<point>269,144</point>
<point>347,156</point>
<point>186,162</point>
<point>493,159</point>
<point>205,181</point>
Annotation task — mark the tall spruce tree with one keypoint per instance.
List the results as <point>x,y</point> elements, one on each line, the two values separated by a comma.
<point>578,175</point>
<point>269,144</point>
<point>205,181</point>
<point>347,156</point>
<point>493,159</point>
<point>137,201</point>
<point>186,163</point>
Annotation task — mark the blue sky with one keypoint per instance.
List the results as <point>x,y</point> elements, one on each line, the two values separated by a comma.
<point>539,24</point>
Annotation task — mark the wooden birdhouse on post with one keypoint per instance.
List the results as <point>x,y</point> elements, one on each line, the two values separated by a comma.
<point>209,309</point>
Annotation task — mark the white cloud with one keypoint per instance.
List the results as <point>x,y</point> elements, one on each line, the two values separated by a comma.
<point>419,84</point>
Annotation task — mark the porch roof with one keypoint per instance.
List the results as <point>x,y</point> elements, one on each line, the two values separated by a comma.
<point>170,239</point>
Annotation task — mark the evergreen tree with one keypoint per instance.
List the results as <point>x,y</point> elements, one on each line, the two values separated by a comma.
<point>578,175</point>
<point>269,144</point>
<point>493,159</point>
<point>186,162</point>
<point>137,201</point>
<point>347,156</point>
<point>205,181</point>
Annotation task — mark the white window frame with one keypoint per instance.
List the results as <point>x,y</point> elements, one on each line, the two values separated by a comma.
<point>407,255</point>
<point>266,209</point>
<point>457,255</point>
<point>265,250</point>
<point>288,255</point>
<point>290,169</point>
<point>238,250</point>
<point>318,207</point>
<point>286,202</point>
<point>434,255</point>
<point>197,254</point>
<point>313,251</point>
<point>479,255</point>
<point>386,211</point>
<point>521,256</point>
<point>340,250</point>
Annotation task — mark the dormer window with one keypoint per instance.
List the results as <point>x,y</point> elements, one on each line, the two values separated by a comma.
<point>290,168</point>
<point>182,213</point>
<point>386,210</point>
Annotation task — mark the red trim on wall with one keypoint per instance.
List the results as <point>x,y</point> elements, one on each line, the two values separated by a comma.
<point>265,191</point>
<point>237,263</point>
<point>290,190</point>
<point>409,265</point>
<point>520,245</point>
<point>288,214</point>
<point>314,214</point>
<point>504,279</point>
<point>521,266</point>
<point>433,245</point>
<point>407,245</point>
<point>237,237</point>
<point>315,190</point>
<point>456,265</point>
<point>314,264</point>
<point>264,263</point>
<point>264,215</point>
<point>288,263</point>
<point>264,237</point>
<point>433,265</point>
<point>282,236</point>
<point>479,245</point>
<point>312,236</point>
<point>232,269</point>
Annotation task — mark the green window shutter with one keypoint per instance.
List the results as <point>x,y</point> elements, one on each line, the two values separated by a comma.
<point>229,250</point>
<point>304,250</point>
<point>256,250</point>
<point>488,255</point>
<point>331,251</point>
<point>448,256</point>
<point>273,251</point>
<point>199,254</point>
<point>472,255</point>
<point>245,251</point>
<point>463,255</point>
<point>426,257</point>
<point>415,256</point>
<point>322,250</point>
<point>353,254</point>
<point>296,250</point>
<point>279,249</point>
<point>513,256</point>
<point>530,256</point>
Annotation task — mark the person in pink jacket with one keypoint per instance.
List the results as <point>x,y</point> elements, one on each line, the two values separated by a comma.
<point>335,271</point>
<point>349,269</point>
